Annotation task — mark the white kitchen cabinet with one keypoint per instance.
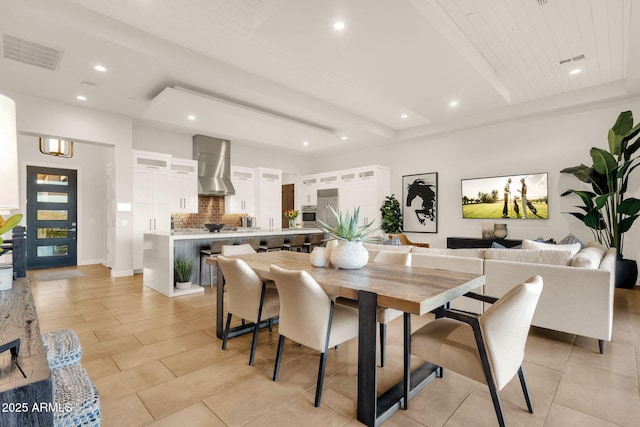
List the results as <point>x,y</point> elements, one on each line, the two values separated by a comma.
<point>243,202</point>
<point>183,186</point>
<point>309,192</point>
<point>151,199</point>
<point>268,192</point>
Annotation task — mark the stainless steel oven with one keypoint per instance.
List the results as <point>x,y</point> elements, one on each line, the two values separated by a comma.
<point>309,215</point>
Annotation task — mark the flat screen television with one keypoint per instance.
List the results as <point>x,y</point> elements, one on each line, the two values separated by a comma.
<point>502,197</point>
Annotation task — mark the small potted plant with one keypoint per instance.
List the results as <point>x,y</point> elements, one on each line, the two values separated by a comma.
<point>391,215</point>
<point>6,269</point>
<point>349,253</point>
<point>182,270</point>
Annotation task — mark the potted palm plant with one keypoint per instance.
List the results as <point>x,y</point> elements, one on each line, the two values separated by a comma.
<point>182,269</point>
<point>6,269</point>
<point>349,253</point>
<point>606,210</point>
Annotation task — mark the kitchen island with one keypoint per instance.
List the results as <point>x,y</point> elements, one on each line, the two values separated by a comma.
<point>161,249</point>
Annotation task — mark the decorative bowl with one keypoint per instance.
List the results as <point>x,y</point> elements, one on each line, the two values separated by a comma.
<point>213,227</point>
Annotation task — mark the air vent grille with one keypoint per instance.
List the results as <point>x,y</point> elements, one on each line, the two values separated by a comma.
<point>572,59</point>
<point>31,53</point>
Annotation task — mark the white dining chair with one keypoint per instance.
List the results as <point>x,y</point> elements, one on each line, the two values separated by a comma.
<point>488,348</point>
<point>309,317</point>
<point>248,297</point>
<point>243,249</point>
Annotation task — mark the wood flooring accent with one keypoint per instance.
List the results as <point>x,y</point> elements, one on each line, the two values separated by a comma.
<point>156,361</point>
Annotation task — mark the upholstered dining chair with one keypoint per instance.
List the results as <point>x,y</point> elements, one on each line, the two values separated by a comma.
<point>309,317</point>
<point>312,241</point>
<point>248,298</point>
<point>273,243</point>
<point>386,315</point>
<point>488,348</point>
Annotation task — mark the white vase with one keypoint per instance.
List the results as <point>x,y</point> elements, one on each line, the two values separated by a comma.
<point>318,257</point>
<point>349,255</point>
<point>6,276</point>
<point>331,244</point>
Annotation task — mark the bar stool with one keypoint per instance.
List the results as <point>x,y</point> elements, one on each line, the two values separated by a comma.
<point>253,242</point>
<point>312,241</point>
<point>214,250</point>
<point>63,348</point>
<point>295,243</point>
<point>274,243</point>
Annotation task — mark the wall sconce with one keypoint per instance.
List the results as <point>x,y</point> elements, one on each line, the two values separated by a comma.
<point>56,147</point>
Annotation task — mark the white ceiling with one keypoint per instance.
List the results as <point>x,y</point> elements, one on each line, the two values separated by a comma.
<point>276,72</point>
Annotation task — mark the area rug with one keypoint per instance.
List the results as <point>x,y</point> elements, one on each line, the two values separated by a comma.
<point>47,276</point>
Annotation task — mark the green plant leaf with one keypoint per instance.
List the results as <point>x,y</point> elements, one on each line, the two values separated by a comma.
<point>583,173</point>
<point>630,206</point>
<point>622,127</point>
<point>9,223</point>
<point>625,224</point>
<point>603,162</point>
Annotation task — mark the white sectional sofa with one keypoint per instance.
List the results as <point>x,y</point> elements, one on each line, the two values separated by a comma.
<point>577,297</point>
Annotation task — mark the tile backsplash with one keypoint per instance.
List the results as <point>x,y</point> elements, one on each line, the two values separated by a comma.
<point>210,211</point>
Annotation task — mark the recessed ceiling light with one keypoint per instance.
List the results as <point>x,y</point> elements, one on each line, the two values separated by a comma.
<point>339,25</point>
<point>100,68</point>
<point>305,143</point>
<point>575,71</point>
<point>344,138</point>
<point>453,104</point>
<point>191,117</point>
<point>81,98</point>
<point>404,116</point>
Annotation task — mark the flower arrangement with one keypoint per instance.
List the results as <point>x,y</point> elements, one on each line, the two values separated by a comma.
<point>291,214</point>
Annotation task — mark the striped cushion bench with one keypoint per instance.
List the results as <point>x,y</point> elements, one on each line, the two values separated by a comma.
<point>75,397</point>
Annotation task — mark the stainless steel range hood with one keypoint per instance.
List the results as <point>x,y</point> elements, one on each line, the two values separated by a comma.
<point>214,163</point>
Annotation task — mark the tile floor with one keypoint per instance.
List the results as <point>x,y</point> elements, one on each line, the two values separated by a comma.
<point>156,361</point>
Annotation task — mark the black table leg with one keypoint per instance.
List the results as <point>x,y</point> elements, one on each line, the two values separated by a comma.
<point>367,399</point>
<point>220,305</point>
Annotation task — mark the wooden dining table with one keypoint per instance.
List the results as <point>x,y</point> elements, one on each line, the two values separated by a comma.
<point>412,290</point>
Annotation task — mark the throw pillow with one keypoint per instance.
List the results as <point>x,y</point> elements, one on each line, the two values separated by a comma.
<point>530,244</point>
<point>496,245</point>
<point>571,239</point>
<point>588,258</point>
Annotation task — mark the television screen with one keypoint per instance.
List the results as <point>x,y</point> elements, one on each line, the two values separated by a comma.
<point>514,196</point>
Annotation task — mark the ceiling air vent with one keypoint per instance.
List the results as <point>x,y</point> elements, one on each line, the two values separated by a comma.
<point>31,53</point>
<point>572,59</point>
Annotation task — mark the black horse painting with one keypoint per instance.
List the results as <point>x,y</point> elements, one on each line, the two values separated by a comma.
<point>427,192</point>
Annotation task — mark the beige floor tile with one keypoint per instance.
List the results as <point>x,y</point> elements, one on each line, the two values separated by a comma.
<point>548,348</point>
<point>478,411</point>
<point>99,368</point>
<point>196,415</point>
<point>197,358</point>
<point>136,327</point>
<point>110,347</point>
<point>560,416</point>
<point>177,394</point>
<point>126,412</point>
<point>299,412</point>
<point>616,357</point>
<point>601,393</point>
<point>144,354</point>
<point>123,383</point>
<point>172,330</point>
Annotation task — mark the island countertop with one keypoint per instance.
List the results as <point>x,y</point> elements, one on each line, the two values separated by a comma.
<point>161,249</point>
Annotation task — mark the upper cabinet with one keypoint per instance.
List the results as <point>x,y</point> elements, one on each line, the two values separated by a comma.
<point>243,201</point>
<point>268,198</point>
<point>364,187</point>
<point>183,186</point>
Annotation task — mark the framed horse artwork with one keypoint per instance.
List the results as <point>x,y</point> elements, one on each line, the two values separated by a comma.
<point>420,203</point>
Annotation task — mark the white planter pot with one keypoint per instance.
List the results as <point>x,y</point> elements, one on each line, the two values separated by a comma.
<point>183,285</point>
<point>349,255</point>
<point>6,276</point>
<point>330,245</point>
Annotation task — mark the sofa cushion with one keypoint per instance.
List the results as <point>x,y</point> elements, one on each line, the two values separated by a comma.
<point>589,257</point>
<point>532,244</point>
<point>391,248</point>
<point>533,256</point>
<point>469,253</point>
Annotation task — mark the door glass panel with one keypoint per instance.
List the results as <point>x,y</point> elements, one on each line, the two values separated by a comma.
<point>52,215</point>
<point>50,179</point>
<point>53,233</point>
<point>51,197</point>
<point>53,250</point>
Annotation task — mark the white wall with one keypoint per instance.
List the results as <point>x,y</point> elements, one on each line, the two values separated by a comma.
<point>543,144</point>
<point>90,162</point>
